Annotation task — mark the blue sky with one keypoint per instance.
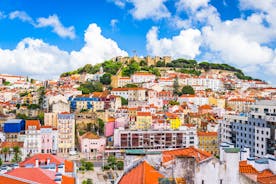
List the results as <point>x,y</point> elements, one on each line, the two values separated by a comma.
<point>44,38</point>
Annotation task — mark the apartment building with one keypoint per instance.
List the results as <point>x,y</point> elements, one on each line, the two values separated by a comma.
<point>208,141</point>
<point>33,137</point>
<point>50,119</point>
<point>255,130</point>
<point>66,132</point>
<point>153,139</point>
<point>141,77</point>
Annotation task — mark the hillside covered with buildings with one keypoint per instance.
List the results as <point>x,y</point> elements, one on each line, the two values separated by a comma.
<point>153,117</point>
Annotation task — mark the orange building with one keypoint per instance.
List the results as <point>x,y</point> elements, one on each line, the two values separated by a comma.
<point>208,141</point>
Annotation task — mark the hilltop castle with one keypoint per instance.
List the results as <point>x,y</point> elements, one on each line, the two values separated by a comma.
<point>148,59</point>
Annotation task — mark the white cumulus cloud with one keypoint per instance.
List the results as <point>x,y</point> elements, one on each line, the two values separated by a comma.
<point>236,48</point>
<point>35,58</point>
<point>97,48</point>
<point>54,22</point>
<point>192,5</point>
<point>154,9</point>
<point>146,9</point>
<point>186,44</point>
<point>23,16</point>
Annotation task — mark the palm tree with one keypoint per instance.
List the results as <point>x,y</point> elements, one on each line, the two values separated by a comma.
<point>5,151</point>
<point>16,150</point>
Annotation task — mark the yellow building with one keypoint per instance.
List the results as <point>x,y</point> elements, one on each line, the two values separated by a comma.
<point>208,141</point>
<point>143,120</point>
<point>50,119</point>
<point>114,81</point>
<point>219,102</point>
<point>30,99</point>
<point>174,120</point>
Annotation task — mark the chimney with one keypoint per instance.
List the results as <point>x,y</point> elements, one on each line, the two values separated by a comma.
<point>36,163</point>
<point>245,153</point>
<point>48,161</point>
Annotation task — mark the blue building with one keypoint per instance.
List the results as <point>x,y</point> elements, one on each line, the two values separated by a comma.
<point>82,102</point>
<point>14,126</point>
<point>12,129</point>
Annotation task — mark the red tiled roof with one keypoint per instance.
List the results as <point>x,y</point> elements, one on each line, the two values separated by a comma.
<point>42,158</point>
<point>67,180</point>
<point>34,174</point>
<point>143,114</point>
<point>46,126</point>
<point>207,133</point>
<point>110,119</point>
<point>127,89</point>
<point>90,135</point>
<point>206,107</point>
<point>35,123</point>
<point>143,73</point>
<point>264,177</point>
<point>199,155</point>
<point>143,173</point>
<point>267,180</point>
<point>7,179</point>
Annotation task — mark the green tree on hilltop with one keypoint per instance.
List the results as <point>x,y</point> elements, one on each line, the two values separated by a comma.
<point>106,79</point>
<point>188,90</point>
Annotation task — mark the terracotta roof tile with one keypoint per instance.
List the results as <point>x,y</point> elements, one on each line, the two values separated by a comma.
<point>34,174</point>
<point>143,173</point>
<point>143,114</point>
<point>264,177</point>
<point>267,180</point>
<point>7,179</point>
<point>89,135</point>
<point>199,155</point>
<point>67,180</point>
<point>35,123</point>
<point>207,133</point>
<point>42,158</point>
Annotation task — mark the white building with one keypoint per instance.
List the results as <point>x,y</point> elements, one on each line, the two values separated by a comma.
<point>141,77</point>
<point>33,137</point>
<point>58,104</point>
<point>197,100</point>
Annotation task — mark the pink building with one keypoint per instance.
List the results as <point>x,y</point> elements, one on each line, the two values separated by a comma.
<point>109,129</point>
<point>48,139</point>
<point>92,145</point>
